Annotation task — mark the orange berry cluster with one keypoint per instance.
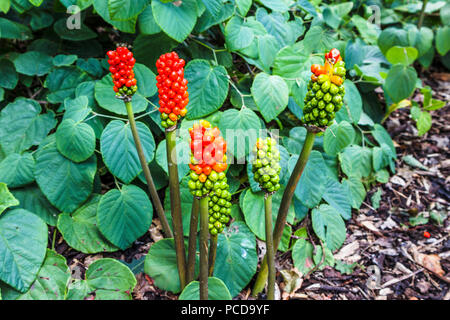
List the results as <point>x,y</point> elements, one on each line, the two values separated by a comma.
<point>172,88</point>
<point>208,159</point>
<point>121,63</point>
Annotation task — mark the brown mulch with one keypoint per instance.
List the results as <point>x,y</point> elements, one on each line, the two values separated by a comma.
<point>392,258</point>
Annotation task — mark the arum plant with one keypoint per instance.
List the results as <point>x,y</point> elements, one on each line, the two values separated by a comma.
<point>208,184</point>
<point>121,63</point>
<point>324,98</point>
<point>173,99</point>
<point>266,170</point>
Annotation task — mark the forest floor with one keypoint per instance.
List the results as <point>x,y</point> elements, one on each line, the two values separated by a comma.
<point>386,249</point>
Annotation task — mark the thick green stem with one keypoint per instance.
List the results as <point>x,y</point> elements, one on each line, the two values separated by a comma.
<point>284,208</point>
<point>204,231</point>
<point>269,246</point>
<point>148,177</point>
<point>175,205</point>
<point>422,14</point>
<point>192,251</point>
<point>212,254</point>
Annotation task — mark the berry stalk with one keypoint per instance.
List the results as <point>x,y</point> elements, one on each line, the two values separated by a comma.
<point>204,248</point>
<point>269,246</point>
<point>192,247</point>
<point>212,253</point>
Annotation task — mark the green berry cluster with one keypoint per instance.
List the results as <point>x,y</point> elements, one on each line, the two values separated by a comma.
<point>266,164</point>
<point>126,91</point>
<point>219,208</point>
<point>325,97</point>
<point>200,185</point>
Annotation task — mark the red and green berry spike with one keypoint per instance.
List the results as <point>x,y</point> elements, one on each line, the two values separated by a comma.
<point>121,63</point>
<point>172,89</point>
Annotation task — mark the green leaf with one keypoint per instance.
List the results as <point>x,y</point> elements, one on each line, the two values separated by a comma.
<point>369,32</point>
<point>183,157</point>
<point>146,80</point>
<point>382,136</point>
<point>238,126</point>
<point>8,74</point>
<point>64,60</point>
<point>6,198</point>
<point>318,40</point>
<point>243,6</point>
<point>356,191</point>
<point>207,20</point>
<point>106,98</point>
<point>277,26</point>
<point>400,82</point>
<point>238,34</point>
<point>75,140</point>
<point>4,7</point>
<point>78,290</point>
<point>204,79</point>
<point>33,200</point>
<point>337,137</point>
<point>267,50</point>
<point>91,66</point>
<point>271,95</point>
<point>413,162</point>
<point>402,55</point>
<point>76,34</point>
<point>423,123</point>
<point>101,6</point>
<point>329,226</point>
<point>62,82</point>
<point>176,19</point>
<point>51,281</point>
<point>147,23</point>
<point>311,185</point>
<point>22,125</point>
<point>33,63</point>
<point>17,170</point>
<point>110,279</point>
<point>353,100</point>
<point>336,195</point>
<point>253,209</point>
<point>122,10</point>
<point>302,254</point>
<point>66,184</point>
<point>418,220</point>
<point>217,290</point>
<point>80,229</point>
<point>442,42</point>
<point>376,198</point>
<point>213,6</point>
<point>288,61</point>
<point>161,265</point>
<point>322,262</point>
<point>119,151</point>
<point>13,30</point>
<point>149,57</point>
<point>356,161</point>
<point>124,215</point>
<point>392,37</point>
<point>23,242</point>
<point>275,5</point>
<point>236,259</point>
<point>76,109</point>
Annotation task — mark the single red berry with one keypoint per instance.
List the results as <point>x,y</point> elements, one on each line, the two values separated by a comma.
<point>426,234</point>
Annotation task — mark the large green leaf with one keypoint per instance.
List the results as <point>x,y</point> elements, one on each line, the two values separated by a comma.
<point>243,6</point>
<point>147,23</point>
<point>23,241</point>
<point>337,196</point>
<point>337,137</point>
<point>236,259</point>
<point>122,10</point>
<point>22,125</point>
<point>62,82</point>
<point>146,80</point>
<point>13,30</point>
<point>75,140</point>
<point>271,95</point>
<point>17,170</point>
<point>110,279</point>
<point>328,226</point>
<point>76,34</point>
<point>238,34</point>
<point>240,128</point>
<point>276,5</point>
<point>356,191</point>
<point>101,6</point>
<point>119,151</point>
<point>8,74</point>
<point>80,229</point>
<point>302,254</point>
<point>311,185</point>
<point>161,265</point>
<point>149,57</point>
<point>51,281</point>
<point>124,215</point>
<point>442,42</point>
<point>106,98</point>
<point>353,100</point>
<point>217,290</point>
<point>403,55</point>
<point>32,199</point>
<point>176,19</point>
<point>289,61</point>
<point>66,184</point>
<point>400,82</point>
<point>356,161</point>
<point>7,199</point>
<point>203,80</point>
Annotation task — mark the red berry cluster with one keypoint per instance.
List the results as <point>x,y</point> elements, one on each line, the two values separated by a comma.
<point>208,150</point>
<point>172,88</point>
<point>121,63</point>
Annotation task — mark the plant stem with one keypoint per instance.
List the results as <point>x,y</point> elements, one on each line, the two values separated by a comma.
<point>192,251</point>
<point>422,14</point>
<point>204,231</point>
<point>212,253</point>
<point>175,205</point>
<point>148,177</point>
<point>284,209</point>
<point>269,246</point>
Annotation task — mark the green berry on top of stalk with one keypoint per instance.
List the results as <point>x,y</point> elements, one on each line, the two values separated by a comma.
<point>265,165</point>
